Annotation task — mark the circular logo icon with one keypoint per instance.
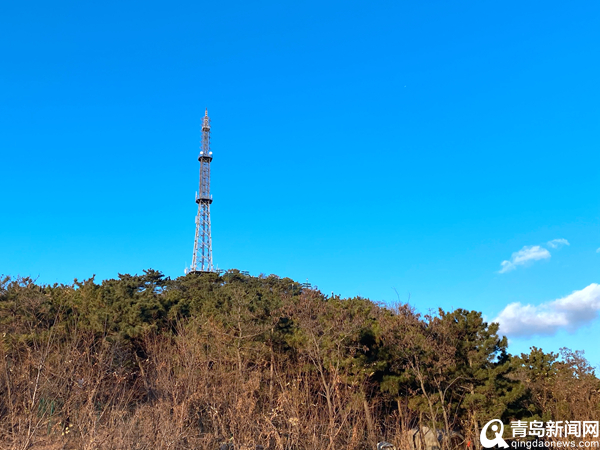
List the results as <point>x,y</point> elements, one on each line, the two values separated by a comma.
<point>498,432</point>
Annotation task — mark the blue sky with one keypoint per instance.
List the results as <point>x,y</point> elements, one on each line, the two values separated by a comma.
<point>393,150</point>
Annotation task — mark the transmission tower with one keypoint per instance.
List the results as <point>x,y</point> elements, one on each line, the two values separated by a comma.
<point>202,260</point>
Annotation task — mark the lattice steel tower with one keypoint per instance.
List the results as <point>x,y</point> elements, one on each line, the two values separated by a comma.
<point>202,260</point>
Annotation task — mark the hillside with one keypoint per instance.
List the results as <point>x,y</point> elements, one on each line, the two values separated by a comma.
<point>144,362</point>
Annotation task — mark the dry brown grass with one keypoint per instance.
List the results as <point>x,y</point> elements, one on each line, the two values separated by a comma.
<point>190,391</point>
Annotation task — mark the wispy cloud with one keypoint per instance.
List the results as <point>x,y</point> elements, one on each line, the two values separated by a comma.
<point>557,243</point>
<point>598,251</point>
<point>530,253</point>
<point>568,313</point>
<point>527,254</point>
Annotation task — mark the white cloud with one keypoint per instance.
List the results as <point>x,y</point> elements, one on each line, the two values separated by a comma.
<point>523,256</point>
<point>568,313</point>
<point>598,251</point>
<point>557,243</point>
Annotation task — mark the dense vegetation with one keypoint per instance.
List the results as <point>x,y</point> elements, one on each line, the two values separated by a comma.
<point>148,362</point>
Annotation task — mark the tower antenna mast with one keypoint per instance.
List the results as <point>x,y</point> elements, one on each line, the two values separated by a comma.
<point>202,259</point>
